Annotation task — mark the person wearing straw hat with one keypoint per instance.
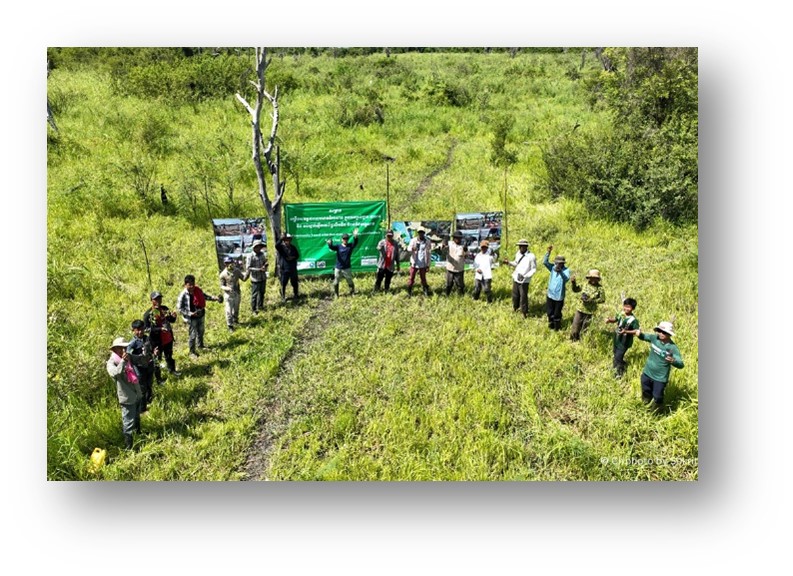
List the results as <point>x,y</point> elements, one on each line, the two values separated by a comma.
<point>387,261</point>
<point>454,252</point>
<point>256,268</point>
<point>525,264</point>
<point>420,249</point>
<point>554,301</point>
<point>230,278</point>
<point>119,367</point>
<point>664,354</point>
<point>483,271</point>
<point>592,294</point>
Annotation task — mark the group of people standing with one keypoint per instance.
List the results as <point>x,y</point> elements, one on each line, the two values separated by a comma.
<point>135,364</point>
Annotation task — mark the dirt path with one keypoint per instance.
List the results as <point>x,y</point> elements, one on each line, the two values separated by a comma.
<point>411,200</point>
<point>271,420</point>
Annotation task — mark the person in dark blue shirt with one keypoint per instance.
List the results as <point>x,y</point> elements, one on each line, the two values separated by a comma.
<point>343,260</point>
<point>288,255</point>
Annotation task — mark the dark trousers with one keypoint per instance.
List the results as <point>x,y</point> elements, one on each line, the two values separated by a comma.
<point>580,322</point>
<point>554,311</point>
<point>454,279</point>
<point>619,363</point>
<point>145,380</point>
<point>167,351</point>
<point>257,295</point>
<point>483,284</point>
<point>381,274</point>
<point>652,389</point>
<point>288,277</point>
<point>520,298</point>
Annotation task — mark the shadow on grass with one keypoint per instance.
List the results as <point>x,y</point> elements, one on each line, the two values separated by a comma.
<point>187,427</point>
<point>203,368</point>
<point>232,342</point>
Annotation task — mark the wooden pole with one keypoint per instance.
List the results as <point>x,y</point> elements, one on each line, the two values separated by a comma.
<point>388,194</point>
<point>506,229</point>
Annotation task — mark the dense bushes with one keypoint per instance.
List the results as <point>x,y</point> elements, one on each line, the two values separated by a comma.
<point>645,165</point>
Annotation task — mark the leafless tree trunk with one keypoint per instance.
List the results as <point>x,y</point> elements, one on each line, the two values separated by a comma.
<point>263,149</point>
<point>605,61</point>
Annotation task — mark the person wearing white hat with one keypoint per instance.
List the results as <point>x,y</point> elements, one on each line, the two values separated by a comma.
<point>420,249</point>
<point>525,264</point>
<point>592,294</point>
<point>120,369</point>
<point>664,354</point>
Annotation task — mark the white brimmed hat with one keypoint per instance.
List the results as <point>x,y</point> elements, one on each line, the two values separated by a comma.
<point>665,327</point>
<point>119,343</point>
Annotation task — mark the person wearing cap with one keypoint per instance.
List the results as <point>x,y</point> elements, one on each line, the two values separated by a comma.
<point>623,336</point>
<point>592,294</point>
<point>454,252</point>
<point>256,267</point>
<point>343,267</point>
<point>230,278</point>
<point>525,265</point>
<point>141,355</point>
<point>387,261</point>
<point>288,255</point>
<point>554,301</point>
<point>420,249</point>
<point>664,354</point>
<point>483,271</point>
<point>191,304</point>
<point>157,323</point>
<point>120,369</point>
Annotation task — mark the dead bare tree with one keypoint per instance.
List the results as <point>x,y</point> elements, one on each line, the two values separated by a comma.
<point>263,149</point>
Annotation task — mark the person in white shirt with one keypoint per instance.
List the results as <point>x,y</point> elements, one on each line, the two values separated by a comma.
<point>525,265</point>
<point>483,272</point>
<point>420,249</point>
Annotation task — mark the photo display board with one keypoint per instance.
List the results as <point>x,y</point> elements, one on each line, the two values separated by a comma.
<point>234,237</point>
<point>478,226</point>
<point>436,231</point>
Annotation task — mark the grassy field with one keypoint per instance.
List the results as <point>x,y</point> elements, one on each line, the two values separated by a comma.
<point>375,387</point>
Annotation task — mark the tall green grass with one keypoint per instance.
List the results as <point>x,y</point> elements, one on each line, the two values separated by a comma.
<point>384,387</point>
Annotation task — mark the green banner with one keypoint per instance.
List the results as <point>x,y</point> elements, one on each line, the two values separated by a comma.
<point>312,224</point>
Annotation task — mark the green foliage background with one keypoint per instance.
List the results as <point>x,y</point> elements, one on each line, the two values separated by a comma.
<point>377,387</point>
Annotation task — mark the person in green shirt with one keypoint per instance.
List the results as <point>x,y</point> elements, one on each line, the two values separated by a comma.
<point>623,337</point>
<point>663,355</point>
<point>592,294</point>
